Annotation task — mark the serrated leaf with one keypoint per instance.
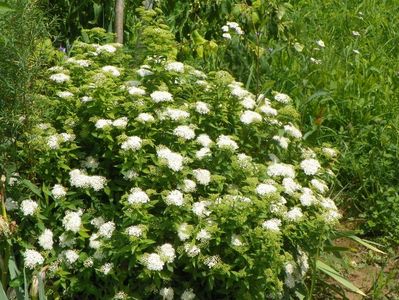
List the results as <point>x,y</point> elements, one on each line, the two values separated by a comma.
<point>338,277</point>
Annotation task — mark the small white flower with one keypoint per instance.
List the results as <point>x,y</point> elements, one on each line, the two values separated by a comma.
<point>310,166</point>
<point>58,191</point>
<point>101,123</point>
<point>290,186</point>
<point>282,98</point>
<point>106,268</point>
<point>294,214</point>
<point>204,140</point>
<point>272,225</point>
<point>236,240</point>
<point>280,169</point>
<point>188,186</point>
<point>212,261</point>
<point>111,70</point>
<point>184,231</point>
<point>184,132</point>
<point>135,91</point>
<point>225,28</point>
<point>320,43</point>
<point>88,263</point>
<point>145,118</point>
<point>200,209</point>
<point>203,152</point>
<point>120,123</point>
<point>174,160</point>
<point>144,71</point>
<point>71,256</point>
<point>188,295</point>
<point>249,117</point>
<point>130,174</point>
<point>93,242</point>
<point>191,250</point>
<point>133,143</point>
<point>265,189</point>
<point>226,35</point>
<point>167,253</point>
<point>282,141</point>
<point>175,198</point>
<point>202,176</point>
<point>97,222</point>
<point>329,152</point>
<point>175,66</point>
<point>268,110</point>
<point>161,96</point>
<point>307,198</point>
<point>137,196</point>
<point>248,102</point>
<point>154,262</point>
<point>293,131</point>
<point>32,258</point>
<point>53,142</point>
<point>60,77</point>
<point>175,114</point>
<point>167,293</point>
<point>203,235</point>
<point>225,142</point>
<point>72,221</point>
<point>85,99</point>
<point>46,239</point>
<point>90,163</point>
<point>319,185</point>
<point>65,94</point>
<point>202,108</point>
<point>106,48</point>
<point>11,204</point>
<point>135,231</point>
<point>28,207</point>
<point>106,229</point>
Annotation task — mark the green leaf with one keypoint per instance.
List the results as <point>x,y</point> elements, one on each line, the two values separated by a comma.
<point>4,7</point>
<point>32,187</point>
<point>365,243</point>
<point>3,295</point>
<point>338,277</point>
<point>42,294</point>
<point>26,287</point>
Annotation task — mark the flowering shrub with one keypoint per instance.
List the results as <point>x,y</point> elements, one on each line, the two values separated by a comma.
<point>162,181</point>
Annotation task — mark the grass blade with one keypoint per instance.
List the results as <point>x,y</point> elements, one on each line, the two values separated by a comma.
<point>42,294</point>
<point>365,243</point>
<point>3,295</point>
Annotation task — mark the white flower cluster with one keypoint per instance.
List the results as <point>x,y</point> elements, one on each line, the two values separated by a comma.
<point>137,196</point>
<point>28,207</point>
<point>60,77</point>
<point>175,198</point>
<point>175,66</point>
<point>231,26</point>
<point>72,221</point>
<point>161,96</point>
<point>225,142</point>
<point>184,132</point>
<point>81,180</point>
<point>58,191</point>
<point>175,114</point>
<point>32,258</point>
<point>133,143</point>
<point>249,117</point>
<point>174,160</point>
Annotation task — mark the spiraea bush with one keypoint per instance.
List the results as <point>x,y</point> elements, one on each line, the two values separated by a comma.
<point>161,181</point>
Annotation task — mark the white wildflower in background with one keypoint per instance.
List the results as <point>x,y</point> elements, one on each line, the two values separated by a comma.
<point>293,131</point>
<point>88,263</point>
<point>175,198</point>
<point>28,207</point>
<point>188,186</point>
<point>239,92</point>
<point>315,61</point>
<point>320,43</point>
<point>145,118</point>
<point>60,77</point>
<point>248,102</point>
<point>94,243</point>
<point>191,250</point>
<point>136,91</point>
<point>212,261</point>
<point>81,180</point>
<point>58,191</point>
<point>32,258</point>
<point>175,114</point>
<point>282,141</point>
<point>106,48</point>
<point>202,176</point>
<point>11,204</point>
<point>249,117</point>
<point>203,235</point>
<point>303,262</point>
<point>72,221</point>
<point>106,230</point>
<point>111,70</point>
<point>102,123</point>
<point>175,66</point>
<point>71,256</point>
<point>161,96</point>
<point>184,132</point>
<point>226,35</point>
<point>272,225</point>
<point>167,253</point>
<point>329,152</point>
<point>202,108</point>
<point>307,198</point>
<point>133,143</point>
<point>290,186</point>
<point>67,137</point>
<point>294,214</point>
<point>356,33</point>
<point>188,295</point>
<point>130,174</point>
<point>97,222</point>
<point>310,166</point>
<point>183,231</point>
<point>236,240</point>
<point>174,160</point>
<point>90,163</point>
<point>53,142</point>
<point>135,231</point>
<point>282,98</point>
<point>120,296</point>
<point>153,262</point>
<point>200,209</point>
<point>166,293</point>
<point>85,99</point>
<point>204,140</point>
<point>144,71</point>
<point>120,123</point>
<point>225,142</point>
<point>80,62</point>
<point>281,169</point>
<point>45,240</point>
<point>264,189</point>
<point>106,268</point>
<point>319,185</point>
<point>202,153</point>
<point>137,196</point>
<point>64,94</point>
<point>268,110</point>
